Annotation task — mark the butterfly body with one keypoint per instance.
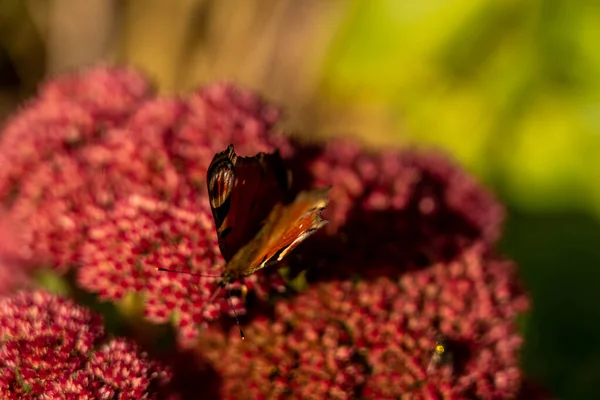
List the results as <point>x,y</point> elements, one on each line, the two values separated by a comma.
<point>257,224</point>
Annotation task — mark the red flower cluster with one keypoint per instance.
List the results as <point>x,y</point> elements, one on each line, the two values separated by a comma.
<point>121,255</point>
<point>375,338</point>
<point>13,272</point>
<point>393,211</point>
<point>52,348</point>
<point>99,177</point>
<point>215,117</point>
<point>91,139</point>
<point>94,164</point>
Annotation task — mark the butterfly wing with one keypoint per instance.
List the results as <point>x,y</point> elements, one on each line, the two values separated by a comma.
<point>284,229</point>
<point>242,192</point>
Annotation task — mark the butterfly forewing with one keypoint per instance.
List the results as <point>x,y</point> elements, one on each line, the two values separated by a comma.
<point>243,191</point>
<point>284,229</point>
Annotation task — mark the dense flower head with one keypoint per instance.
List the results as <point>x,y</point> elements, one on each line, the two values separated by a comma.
<point>11,277</point>
<point>34,135</point>
<point>121,256</point>
<point>99,176</point>
<point>14,272</point>
<point>394,209</point>
<point>70,111</point>
<point>52,348</point>
<point>217,116</point>
<point>108,94</point>
<point>65,195</point>
<point>375,338</point>
<point>92,138</point>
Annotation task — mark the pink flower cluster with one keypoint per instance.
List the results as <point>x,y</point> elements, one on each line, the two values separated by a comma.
<point>393,211</point>
<point>101,179</point>
<point>375,338</point>
<point>52,348</point>
<point>120,256</point>
<point>89,168</point>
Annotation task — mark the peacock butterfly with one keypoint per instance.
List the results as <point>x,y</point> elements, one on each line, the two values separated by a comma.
<point>258,222</point>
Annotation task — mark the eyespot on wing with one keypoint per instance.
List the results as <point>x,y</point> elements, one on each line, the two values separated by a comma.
<point>221,183</point>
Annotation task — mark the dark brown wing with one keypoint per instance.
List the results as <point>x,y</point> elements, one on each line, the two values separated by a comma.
<point>285,228</point>
<point>242,192</point>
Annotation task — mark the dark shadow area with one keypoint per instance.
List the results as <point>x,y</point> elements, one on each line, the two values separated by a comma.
<point>193,377</point>
<point>9,77</point>
<point>559,260</point>
<point>427,229</point>
<point>459,353</point>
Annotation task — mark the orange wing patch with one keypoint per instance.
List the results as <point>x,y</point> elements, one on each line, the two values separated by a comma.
<point>284,229</point>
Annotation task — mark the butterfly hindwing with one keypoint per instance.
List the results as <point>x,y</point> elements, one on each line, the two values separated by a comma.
<point>284,229</point>
<point>243,191</point>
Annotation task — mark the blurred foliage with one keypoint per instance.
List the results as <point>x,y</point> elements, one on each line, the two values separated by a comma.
<point>22,55</point>
<point>558,255</point>
<point>510,88</point>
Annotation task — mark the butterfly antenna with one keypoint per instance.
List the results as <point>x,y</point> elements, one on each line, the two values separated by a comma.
<point>237,320</point>
<point>187,273</point>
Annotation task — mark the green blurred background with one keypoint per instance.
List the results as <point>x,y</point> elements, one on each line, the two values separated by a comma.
<point>510,88</point>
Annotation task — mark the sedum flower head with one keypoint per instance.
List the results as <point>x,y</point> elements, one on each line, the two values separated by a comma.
<point>121,256</point>
<point>376,338</point>
<point>95,137</point>
<point>109,95</point>
<point>393,210</point>
<point>101,177</point>
<point>14,273</point>
<point>140,235</point>
<point>216,116</point>
<point>51,348</point>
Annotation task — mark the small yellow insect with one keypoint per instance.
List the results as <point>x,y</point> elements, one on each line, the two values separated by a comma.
<point>439,348</point>
<point>439,356</point>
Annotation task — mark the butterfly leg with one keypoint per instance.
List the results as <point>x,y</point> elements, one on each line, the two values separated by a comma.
<point>237,320</point>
